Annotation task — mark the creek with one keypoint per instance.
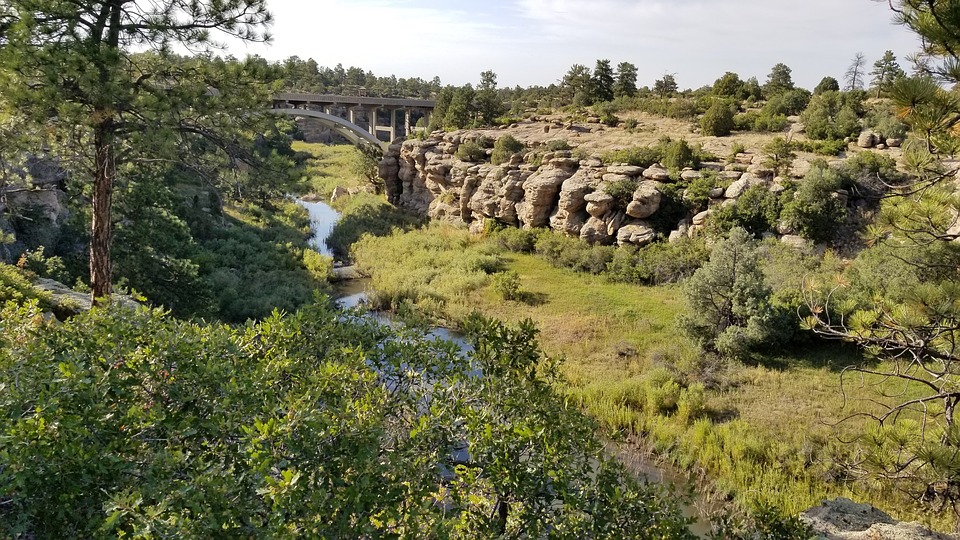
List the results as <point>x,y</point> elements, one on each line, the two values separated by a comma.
<point>354,293</point>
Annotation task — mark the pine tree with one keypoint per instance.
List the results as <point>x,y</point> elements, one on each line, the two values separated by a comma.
<point>70,65</point>
<point>602,81</point>
<point>854,74</point>
<point>779,81</point>
<point>886,70</point>
<point>626,84</point>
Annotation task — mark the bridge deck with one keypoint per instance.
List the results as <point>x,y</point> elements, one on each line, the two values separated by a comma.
<point>355,100</point>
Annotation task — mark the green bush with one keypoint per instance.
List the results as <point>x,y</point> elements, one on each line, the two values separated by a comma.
<point>757,211</point>
<point>565,252</point>
<point>718,120</point>
<point>829,147</point>
<point>516,239</point>
<point>745,121</point>
<point>621,191</point>
<point>868,175</point>
<point>678,155</point>
<point>770,124</point>
<point>831,115</point>
<point>470,152</point>
<point>659,263</point>
<point>319,266</point>
<point>558,145</point>
<point>692,403</point>
<point>507,285</point>
<point>130,424</point>
<point>814,211</point>
<point>505,148</point>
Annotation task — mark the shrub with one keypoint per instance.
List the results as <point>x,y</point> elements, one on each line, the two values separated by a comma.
<point>661,390</point>
<point>320,267</point>
<point>659,263</point>
<point>779,154</point>
<point>770,124</point>
<point>470,152</point>
<point>621,191</point>
<point>757,211</point>
<point>831,115</point>
<point>745,121</point>
<point>507,285</point>
<point>814,211</point>
<point>558,145</point>
<point>718,120</point>
<point>574,253</point>
<point>517,240</point>
<point>868,174</point>
<point>639,156</point>
<point>631,123</point>
<point>505,148</point>
<point>679,154</point>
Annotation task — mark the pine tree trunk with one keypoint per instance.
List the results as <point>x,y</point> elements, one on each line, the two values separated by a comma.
<point>102,230</point>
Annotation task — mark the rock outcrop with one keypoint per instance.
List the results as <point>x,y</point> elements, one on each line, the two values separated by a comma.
<point>843,519</point>
<point>579,197</point>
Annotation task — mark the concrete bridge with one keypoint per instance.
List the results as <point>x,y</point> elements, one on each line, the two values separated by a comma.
<point>341,114</point>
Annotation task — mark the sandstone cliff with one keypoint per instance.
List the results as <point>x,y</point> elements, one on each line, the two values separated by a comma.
<point>549,189</point>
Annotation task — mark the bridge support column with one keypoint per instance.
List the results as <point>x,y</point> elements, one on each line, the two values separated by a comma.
<point>393,124</point>
<point>372,115</point>
<point>406,122</point>
<point>352,115</point>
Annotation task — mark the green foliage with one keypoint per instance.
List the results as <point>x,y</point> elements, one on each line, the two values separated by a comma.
<point>127,423</point>
<point>729,310</point>
<point>678,155</point>
<point>622,191</point>
<point>320,267</point>
<point>757,211</point>
<point>15,287</point>
<point>779,155</point>
<point>488,102</point>
<point>829,147</point>
<point>778,81</point>
<point>882,120</point>
<point>659,263</point>
<point>787,103</point>
<point>471,152</point>
<point>565,252</point>
<point>507,285</point>
<point>366,214</point>
<point>558,145</point>
<point>827,84</point>
<point>37,262</point>
<point>504,149</point>
<point>516,239</point>
<point>870,175</point>
<point>718,120</point>
<point>814,211</point>
<point>832,115</point>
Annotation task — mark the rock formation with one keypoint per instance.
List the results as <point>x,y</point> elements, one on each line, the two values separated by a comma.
<point>552,189</point>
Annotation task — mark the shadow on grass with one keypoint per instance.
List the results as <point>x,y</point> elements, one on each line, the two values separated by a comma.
<point>812,353</point>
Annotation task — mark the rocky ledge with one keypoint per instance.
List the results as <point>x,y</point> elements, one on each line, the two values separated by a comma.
<point>555,190</point>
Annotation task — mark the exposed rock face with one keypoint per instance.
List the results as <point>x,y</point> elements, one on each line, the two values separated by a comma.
<point>554,190</point>
<point>843,519</point>
<point>646,201</point>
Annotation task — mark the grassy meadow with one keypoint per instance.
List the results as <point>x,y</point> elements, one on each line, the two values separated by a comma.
<point>759,436</point>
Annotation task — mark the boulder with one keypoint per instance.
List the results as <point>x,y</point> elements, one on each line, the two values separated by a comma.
<point>731,175</point>
<point>657,173</point>
<point>894,143</point>
<point>737,188</point>
<point>866,139</point>
<point>843,519</point>
<point>541,191</point>
<point>701,218</point>
<point>627,170</point>
<point>689,175</point>
<point>571,211</point>
<point>636,233</point>
<point>594,231</point>
<point>646,201</point>
<point>599,203</point>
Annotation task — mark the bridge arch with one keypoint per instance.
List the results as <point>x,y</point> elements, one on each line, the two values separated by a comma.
<point>350,131</point>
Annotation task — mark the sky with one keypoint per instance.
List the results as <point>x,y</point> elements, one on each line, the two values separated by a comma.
<point>534,42</point>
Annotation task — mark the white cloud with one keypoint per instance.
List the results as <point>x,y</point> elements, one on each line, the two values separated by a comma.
<point>535,41</point>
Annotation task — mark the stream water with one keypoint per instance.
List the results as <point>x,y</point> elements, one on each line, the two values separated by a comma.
<point>353,293</point>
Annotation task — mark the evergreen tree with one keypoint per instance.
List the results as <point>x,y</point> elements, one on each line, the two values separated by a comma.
<point>70,66</point>
<point>602,81</point>
<point>827,84</point>
<point>576,84</point>
<point>626,84</point>
<point>886,70</point>
<point>666,86</point>
<point>778,81</point>
<point>729,85</point>
<point>488,102</point>
<point>916,442</point>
